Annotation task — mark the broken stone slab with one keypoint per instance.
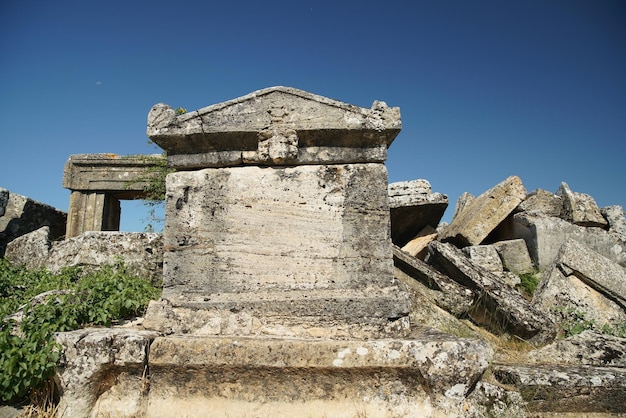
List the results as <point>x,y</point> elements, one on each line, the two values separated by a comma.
<point>502,308</point>
<point>595,270</point>
<point>23,215</point>
<point>484,213</point>
<point>418,246</point>
<point>580,208</point>
<point>545,235</point>
<point>565,295</point>
<point>555,388</point>
<point>292,377</point>
<point>141,252</point>
<point>103,369</point>
<point>587,348</point>
<point>451,296</point>
<point>30,249</point>
<point>615,217</point>
<point>515,256</point>
<point>413,206</point>
<point>542,202</point>
<point>274,126</point>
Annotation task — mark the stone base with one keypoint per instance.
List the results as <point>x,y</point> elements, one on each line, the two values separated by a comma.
<point>246,377</point>
<point>244,320</point>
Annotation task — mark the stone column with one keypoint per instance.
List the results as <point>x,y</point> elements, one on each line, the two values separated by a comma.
<point>277,221</point>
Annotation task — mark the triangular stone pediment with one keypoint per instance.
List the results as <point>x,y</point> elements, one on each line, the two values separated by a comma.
<point>293,122</point>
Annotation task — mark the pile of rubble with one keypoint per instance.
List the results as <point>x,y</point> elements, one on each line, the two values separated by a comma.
<point>470,273</point>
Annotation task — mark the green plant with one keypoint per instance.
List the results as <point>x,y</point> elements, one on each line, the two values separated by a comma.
<point>181,111</point>
<point>528,284</point>
<point>574,321</point>
<point>28,351</point>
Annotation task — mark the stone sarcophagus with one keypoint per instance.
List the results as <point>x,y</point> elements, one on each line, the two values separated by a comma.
<point>277,220</point>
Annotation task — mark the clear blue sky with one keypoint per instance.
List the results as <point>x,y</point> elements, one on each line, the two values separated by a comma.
<point>487,89</point>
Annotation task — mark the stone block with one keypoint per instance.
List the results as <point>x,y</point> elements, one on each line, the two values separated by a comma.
<point>515,256</point>
<point>294,377</point>
<point>542,202</point>
<point>418,246</point>
<point>545,235</point>
<point>567,294</point>
<point>579,208</point>
<point>413,207</point>
<point>23,215</point>
<point>615,217</point>
<point>30,249</point>
<point>4,200</point>
<point>485,256</point>
<point>567,389</point>
<point>501,307</point>
<point>103,369</point>
<point>484,213</point>
<point>285,242</point>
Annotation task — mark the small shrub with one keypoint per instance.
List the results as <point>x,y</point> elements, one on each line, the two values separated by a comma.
<point>528,284</point>
<point>28,351</point>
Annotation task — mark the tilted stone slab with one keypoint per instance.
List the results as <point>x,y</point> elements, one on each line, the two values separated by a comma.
<point>515,256</point>
<point>274,126</point>
<point>294,377</point>
<point>615,216</point>
<point>413,206</point>
<point>595,270</point>
<point>580,208</point>
<point>484,213</point>
<point>503,308</point>
<point>579,389</point>
<point>542,202</point>
<point>454,298</point>
<point>567,296</point>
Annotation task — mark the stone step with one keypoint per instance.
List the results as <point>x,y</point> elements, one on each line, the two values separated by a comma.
<point>580,389</point>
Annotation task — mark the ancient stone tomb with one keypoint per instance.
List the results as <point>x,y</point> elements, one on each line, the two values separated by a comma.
<point>277,219</point>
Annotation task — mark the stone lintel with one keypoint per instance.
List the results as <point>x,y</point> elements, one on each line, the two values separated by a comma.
<point>111,173</point>
<point>274,126</point>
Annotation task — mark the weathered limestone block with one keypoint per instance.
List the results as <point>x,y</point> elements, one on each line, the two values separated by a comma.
<point>542,202</point>
<point>484,213</point>
<point>488,400</point>
<point>413,207</point>
<point>545,235</point>
<point>288,242</point>
<point>595,270</point>
<point>580,389</point>
<point>30,249</point>
<point>4,200</point>
<point>23,215</point>
<point>292,377</point>
<point>103,370</point>
<point>450,295</point>
<point>580,208</point>
<point>502,308</point>
<point>141,252</point>
<point>462,202</point>
<point>515,256</point>
<point>565,292</point>
<point>587,348</point>
<point>615,217</point>
<point>274,126</point>
<point>418,246</point>
<point>485,256</point>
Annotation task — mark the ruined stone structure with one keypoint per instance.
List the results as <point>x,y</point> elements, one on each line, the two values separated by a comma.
<point>279,214</point>
<point>98,182</point>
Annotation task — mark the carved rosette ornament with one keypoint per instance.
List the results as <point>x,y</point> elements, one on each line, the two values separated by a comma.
<point>277,143</point>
